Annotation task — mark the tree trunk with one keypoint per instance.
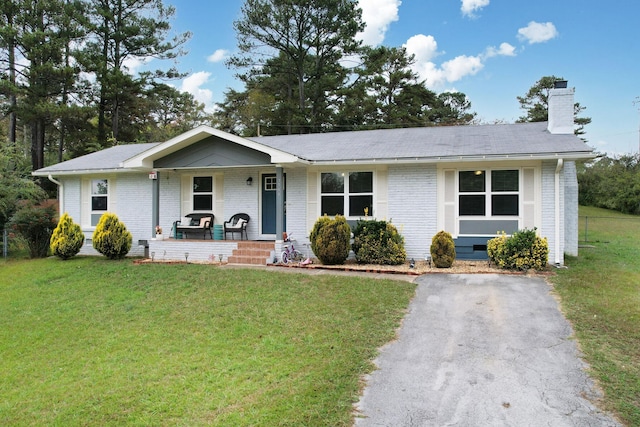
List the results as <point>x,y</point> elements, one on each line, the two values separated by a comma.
<point>37,144</point>
<point>13,101</point>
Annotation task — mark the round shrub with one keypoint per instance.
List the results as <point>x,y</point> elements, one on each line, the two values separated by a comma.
<point>524,250</point>
<point>378,242</point>
<point>330,240</point>
<point>111,238</point>
<point>67,238</point>
<point>35,224</point>
<point>443,250</point>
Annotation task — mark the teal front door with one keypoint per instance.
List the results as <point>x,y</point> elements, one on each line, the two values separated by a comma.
<point>269,203</point>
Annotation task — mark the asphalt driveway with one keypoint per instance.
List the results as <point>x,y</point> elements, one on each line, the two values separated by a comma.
<point>481,350</point>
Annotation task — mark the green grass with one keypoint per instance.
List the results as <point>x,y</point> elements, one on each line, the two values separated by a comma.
<point>95,342</point>
<point>600,293</point>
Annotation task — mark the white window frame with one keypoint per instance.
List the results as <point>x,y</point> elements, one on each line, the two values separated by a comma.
<point>346,193</point>
<point>101,212</point>
<point>205,193</point>
<point>488,193</point>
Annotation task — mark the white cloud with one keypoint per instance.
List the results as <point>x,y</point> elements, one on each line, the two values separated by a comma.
<point>133,64</point>
<point>470,6</point>
<point>193,85</point>
<point>377,15</point>
<point>505,49</point>
<point>425,50</point>
<point>218,56</point>
<point>537,32</point>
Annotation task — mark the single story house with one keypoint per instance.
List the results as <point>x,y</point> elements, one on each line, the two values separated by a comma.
<point>472,181</point>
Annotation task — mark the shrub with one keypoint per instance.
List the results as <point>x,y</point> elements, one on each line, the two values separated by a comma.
<point>524,250</point>
<point>35,224</point>
<point>443,250</point>
<point>330,240</point>
<point>111,237</point>
<point>67,238</point>
<point>378,242</point>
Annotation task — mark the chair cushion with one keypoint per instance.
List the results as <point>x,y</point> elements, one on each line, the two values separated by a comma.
<point>203,221</point>
<point>185,221</point>
<point>237,225</point>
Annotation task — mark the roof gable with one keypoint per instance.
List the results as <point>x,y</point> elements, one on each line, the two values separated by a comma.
<point>213,152</point>
<point>146,160</point>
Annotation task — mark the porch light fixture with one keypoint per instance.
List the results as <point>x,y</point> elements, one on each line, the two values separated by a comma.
<point>249,181</point>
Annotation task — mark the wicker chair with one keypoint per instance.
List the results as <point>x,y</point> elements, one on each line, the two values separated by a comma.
<point>237,224</point>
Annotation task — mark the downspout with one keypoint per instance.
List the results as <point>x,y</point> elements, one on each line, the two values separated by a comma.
<point>557,213</point>
<point>60,193</point>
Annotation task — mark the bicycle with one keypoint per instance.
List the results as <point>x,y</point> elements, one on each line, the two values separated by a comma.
<point>290,253</point>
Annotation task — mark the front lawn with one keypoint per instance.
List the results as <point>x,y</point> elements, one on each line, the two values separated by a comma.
<point>95,342</point>
<point>600,292</point>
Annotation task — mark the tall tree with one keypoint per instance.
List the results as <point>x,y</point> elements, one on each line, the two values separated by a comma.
<point>8,42</point>
<point>452,109</point>
<point>300,42</point>
<point>386,92</point>
<point>42,40</point>
<point>126,30</point>
<point>171,112</point>
<point>536,105</point>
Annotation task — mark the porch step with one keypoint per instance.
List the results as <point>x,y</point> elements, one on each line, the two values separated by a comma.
<point>255,253</point>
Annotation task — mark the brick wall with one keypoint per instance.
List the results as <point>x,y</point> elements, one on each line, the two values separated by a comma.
<point>413,206</point>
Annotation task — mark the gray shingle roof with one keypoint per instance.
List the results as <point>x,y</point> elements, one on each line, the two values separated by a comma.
<point>428,142</point>
<point>107,159</point>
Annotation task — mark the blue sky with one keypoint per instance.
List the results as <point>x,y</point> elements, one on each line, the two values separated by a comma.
<point>492,50</point>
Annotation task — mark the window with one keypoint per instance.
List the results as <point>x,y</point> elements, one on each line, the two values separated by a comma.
<point>504,192</point>
<point>348,194</point>
<point>202,193</point>
<point>99,199</point>
<point>270,183</point>
<point>472,193</point>
<point>502,199</point>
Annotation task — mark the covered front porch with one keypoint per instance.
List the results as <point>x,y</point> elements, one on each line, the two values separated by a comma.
<point>250,252</point>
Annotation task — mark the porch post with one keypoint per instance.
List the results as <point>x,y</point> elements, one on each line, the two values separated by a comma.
<point>279,203</point>
<point>155,203</point>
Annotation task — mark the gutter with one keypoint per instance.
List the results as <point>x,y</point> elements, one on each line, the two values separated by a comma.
<point>557,211</point>
<point>452,159</point>
<point>60,193</point>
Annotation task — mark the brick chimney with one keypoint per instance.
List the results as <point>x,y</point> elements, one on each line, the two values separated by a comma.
<point>561,108</point>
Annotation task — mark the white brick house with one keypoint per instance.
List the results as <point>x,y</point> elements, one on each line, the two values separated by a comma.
<point>472,181</point>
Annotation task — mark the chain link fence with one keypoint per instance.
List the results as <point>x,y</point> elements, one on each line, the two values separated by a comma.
<point>590,225</point>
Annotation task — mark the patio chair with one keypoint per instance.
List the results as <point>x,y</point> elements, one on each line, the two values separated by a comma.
<point>237,224</point>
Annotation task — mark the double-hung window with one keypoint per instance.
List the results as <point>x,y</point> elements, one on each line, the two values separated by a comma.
<point>489,192</point>
<point>99,199</point>
<point>347,194</point>
<point>202,193</point>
